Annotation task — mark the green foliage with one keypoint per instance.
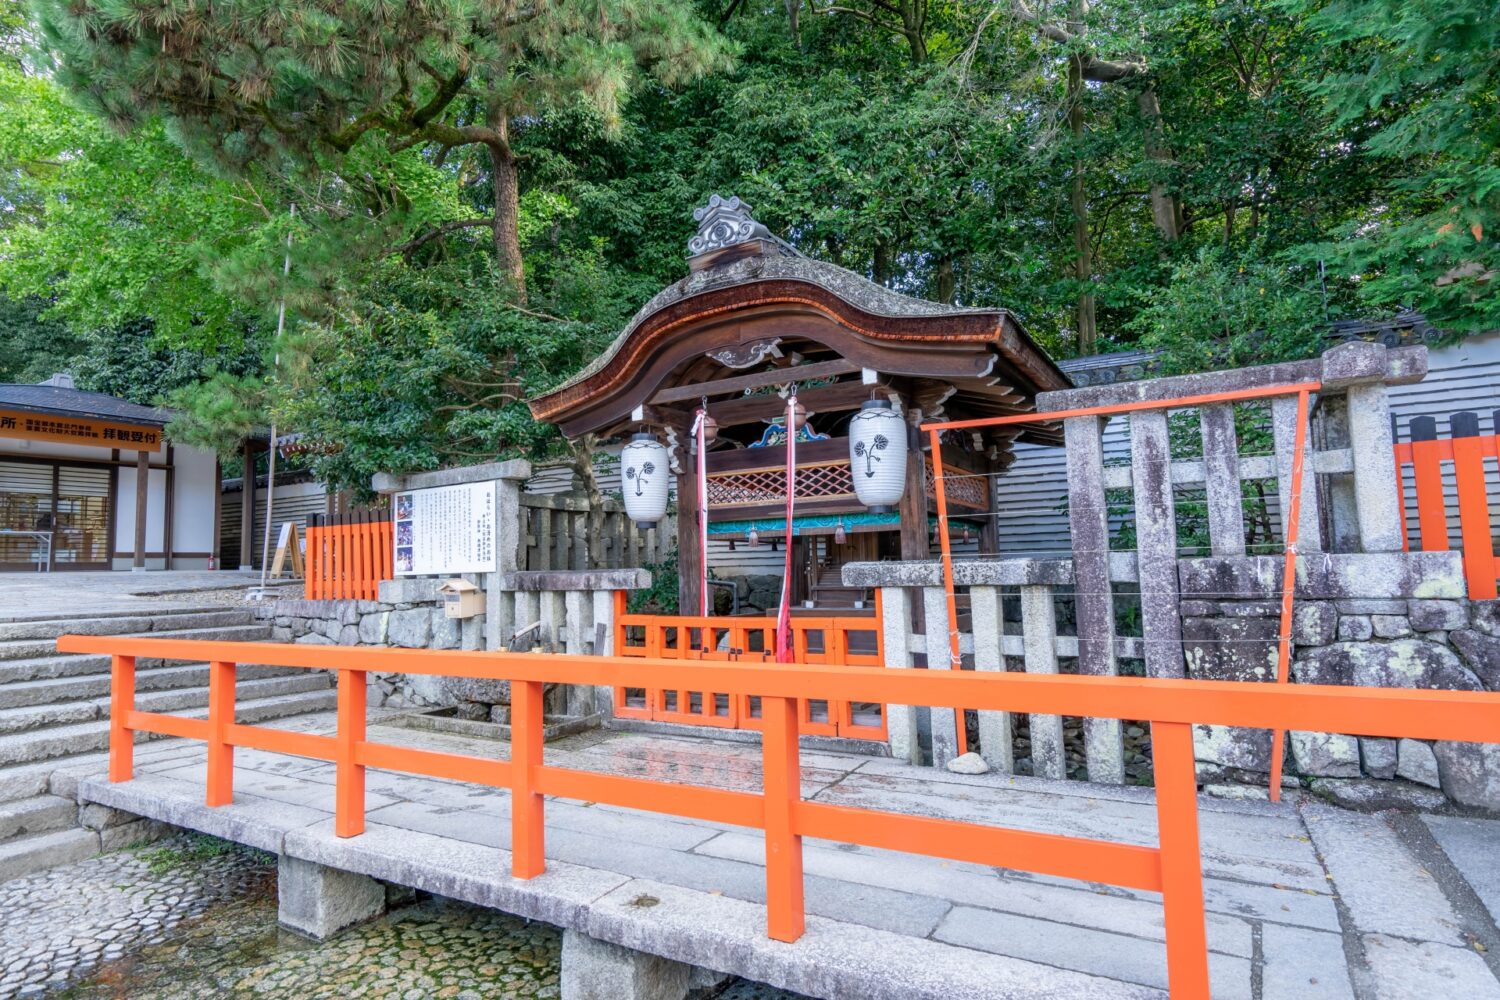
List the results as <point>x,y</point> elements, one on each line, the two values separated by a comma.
<point>1418,81</point>
<point>661,597</point>
<point>1220,311</point>
<point>479,207</point>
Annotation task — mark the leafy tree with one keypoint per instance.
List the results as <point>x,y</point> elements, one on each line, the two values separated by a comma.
<point>1418,80</point>
<point>244,83</point>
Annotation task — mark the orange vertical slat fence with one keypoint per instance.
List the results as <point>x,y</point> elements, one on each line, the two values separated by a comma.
<point>348,559</point>
<point>1468,452</point>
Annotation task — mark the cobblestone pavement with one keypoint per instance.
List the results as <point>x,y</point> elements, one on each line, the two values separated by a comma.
<point>61,922</point>
<point>193,917</point>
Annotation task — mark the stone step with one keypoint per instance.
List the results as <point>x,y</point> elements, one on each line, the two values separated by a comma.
<point>15,720</point>
<point>127,624</point>
<point>32,854</point>
<point>27,649</point>
<point>84,737</point>
<point>38,814</point>
<point>94,686</point>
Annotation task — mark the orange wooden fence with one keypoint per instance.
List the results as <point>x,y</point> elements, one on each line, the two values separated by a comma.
<point>1465,451</point>
<point>851,641</point>
<point>1173,868</point>
<point>347,559</point>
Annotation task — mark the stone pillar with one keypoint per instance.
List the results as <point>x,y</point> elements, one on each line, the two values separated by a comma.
<point>597,970</point>
<point>895,630</point>
<point>500,623</point>
<point>943,718</point>
<point>989,638</point>
<point>1377,502</point>
<point>1039,633</point>
<point>319,901</point>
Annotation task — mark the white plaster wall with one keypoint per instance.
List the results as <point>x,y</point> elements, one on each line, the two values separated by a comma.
<point>156,499</point>
<point>196,488</point>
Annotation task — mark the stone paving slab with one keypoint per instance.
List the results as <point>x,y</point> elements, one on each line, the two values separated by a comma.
<point>1385,889</point>
<point>1303,965</point>
<point>1473,845</point>
<point>1406,970</point>
<point>1298,897</point>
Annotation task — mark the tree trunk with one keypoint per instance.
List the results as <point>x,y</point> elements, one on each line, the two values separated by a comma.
<point>1088,334</point>
<point>914,26</point>
<point>507,207</point>
<point>947,283</point>
<point>882,262</point>
<point>1164,209</point>
<point>793,17</point>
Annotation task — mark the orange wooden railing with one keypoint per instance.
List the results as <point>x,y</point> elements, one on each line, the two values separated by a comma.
<point>1466,453</point>
<point>825,639</point>
<point>347,560</point>
<point>1173,868</point>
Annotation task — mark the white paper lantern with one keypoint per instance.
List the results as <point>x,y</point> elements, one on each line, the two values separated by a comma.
<point>877,455</point>
<point>646,476</point>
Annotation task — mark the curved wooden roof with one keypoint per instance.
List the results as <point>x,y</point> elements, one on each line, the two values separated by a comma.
<point>758,298</point>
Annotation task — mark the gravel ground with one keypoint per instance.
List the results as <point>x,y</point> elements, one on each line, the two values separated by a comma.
<point>192,917</point>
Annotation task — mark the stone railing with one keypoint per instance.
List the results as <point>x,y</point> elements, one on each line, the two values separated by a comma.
<point>1379,619</point>
<point>1365,611</point>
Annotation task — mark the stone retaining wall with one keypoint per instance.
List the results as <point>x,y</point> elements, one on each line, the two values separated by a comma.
<point>1368,628</point>
<point>410,617</point>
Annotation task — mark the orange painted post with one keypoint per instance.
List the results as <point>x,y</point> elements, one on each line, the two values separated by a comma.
<point>349,786</point>
<point>1181,863</point>
<point>220,718</point>
<point>960,727</point>
<point>526,810</point>
<point>1289,585</point>
<point>121,704</point>
<point>1474,516</point>
<point>1432,512</point>
<point>782,778</point>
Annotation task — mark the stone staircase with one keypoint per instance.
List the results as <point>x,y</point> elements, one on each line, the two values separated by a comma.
<point>54,714</point>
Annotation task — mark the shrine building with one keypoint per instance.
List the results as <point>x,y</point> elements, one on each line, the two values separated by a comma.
<point>755,322</point>
<point>90,482</point>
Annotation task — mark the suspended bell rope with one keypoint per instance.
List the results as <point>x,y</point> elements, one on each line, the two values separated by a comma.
<point>702,449</point>
<point>784,651</point>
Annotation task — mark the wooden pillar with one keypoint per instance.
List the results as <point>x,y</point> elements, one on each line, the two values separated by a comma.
<point>913,507</point>
<point>247,508</point>
<point>689,559</point>
<point>142,491</point>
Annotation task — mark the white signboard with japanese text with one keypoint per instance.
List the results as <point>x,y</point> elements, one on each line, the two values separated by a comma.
<point>445,530</point>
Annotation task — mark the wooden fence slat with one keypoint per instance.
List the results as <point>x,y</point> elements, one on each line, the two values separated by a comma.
<point>1473,506</point>
<point>1427,476</point>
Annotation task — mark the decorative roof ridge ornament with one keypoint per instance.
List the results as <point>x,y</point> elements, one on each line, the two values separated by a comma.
<point>724,222</point>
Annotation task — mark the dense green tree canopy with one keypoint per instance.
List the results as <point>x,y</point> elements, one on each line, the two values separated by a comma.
<point>485,191</point>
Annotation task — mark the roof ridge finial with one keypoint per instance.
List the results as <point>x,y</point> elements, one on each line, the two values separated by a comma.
<point>724,222</point>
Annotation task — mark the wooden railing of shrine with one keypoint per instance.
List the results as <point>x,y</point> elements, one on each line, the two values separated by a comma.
<point>348,555</point>
<point>1461,459</point>
<point>1172,707</point>
<point>850,641</point>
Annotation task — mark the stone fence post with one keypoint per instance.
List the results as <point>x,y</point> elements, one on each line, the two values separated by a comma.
<point>508,478</point>
<point>577,614</point>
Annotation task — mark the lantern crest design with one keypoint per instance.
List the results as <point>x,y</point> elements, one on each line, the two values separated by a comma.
<point>877,455</point>
<point>643,464</point>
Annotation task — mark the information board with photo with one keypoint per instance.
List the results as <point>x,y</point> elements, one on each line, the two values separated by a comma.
<point>445,530</point>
